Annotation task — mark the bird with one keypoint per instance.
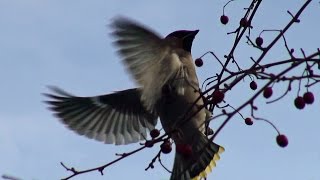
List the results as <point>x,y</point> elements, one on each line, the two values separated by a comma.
<point>167,89</point>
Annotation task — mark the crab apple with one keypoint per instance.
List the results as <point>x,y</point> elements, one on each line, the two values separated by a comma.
<point>282,140</point>
<point>184,149</point>
<point>224,19</point>
<point>154,133</point>
<point>217,96</point>
<point>244,22</point>
<point>248,121</point>
<point>299,102</point>
<point>166,147</point>
<point>179,148</point>
<point>308,97</point>
<point>253,85</point>
<point>187,150</point>
<point>259,41</point>
<point>198,62</point>
<point>267,93</point>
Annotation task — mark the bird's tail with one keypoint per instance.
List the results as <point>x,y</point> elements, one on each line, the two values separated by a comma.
<point>199,163</point>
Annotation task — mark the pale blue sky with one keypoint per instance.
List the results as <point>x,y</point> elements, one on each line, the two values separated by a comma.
<point>67,44</point>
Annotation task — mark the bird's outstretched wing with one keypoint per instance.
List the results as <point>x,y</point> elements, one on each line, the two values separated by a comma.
<point>148,58</point>
<point>116,118</point>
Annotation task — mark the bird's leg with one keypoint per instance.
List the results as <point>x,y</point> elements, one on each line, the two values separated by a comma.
<point>208,130</point>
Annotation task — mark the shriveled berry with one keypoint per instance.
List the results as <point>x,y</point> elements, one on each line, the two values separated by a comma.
<point>244,22</point>
<point>267,93</point>
<point>154,133</point>
<point>299,102</point>
<point>311,72</point>
<point>308,97</point>
<point>253,85</point>
<point>166,147</point>
<point>259,41</point>
<point>217,96</point>
<point>248,121</point>
<point>282,140</point>
<point>224,19</point>
<point>209,131</point>
<point>149,144</point>
<point>272,76</point>
<point>198,62</point>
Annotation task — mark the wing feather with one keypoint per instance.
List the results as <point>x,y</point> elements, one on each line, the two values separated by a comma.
<point>148,58</point>
<point>117,118</point>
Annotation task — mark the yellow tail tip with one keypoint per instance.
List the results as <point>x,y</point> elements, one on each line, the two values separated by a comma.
<point>211,165</point>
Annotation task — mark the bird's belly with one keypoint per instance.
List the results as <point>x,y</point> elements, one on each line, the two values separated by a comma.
<point>181,117</point>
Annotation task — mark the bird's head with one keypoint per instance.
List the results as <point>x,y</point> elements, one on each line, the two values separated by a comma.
<point>185,37</point>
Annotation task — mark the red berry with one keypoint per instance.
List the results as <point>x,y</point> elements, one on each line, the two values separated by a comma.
<point>267,93</point>
<point>187,150</point>
<point>154,133</point>
<point>244,22</point>
<point>199,62</point>
<point>248,121</point>
<point>184,149</point>
<point>217,96</point>
<point>308,97</point>
<point>299,102</point>
<point>224,19</point>
<point>179,148</point>
<point>253,85</point>
<point>282,140</point>
<point>259,41</point>
<point>166,147</point>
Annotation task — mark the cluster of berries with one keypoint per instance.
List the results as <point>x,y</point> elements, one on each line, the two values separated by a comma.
<point>166,146</point>
<point>243,21</point>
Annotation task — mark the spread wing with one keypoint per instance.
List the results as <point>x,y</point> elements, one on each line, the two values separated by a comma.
<point>116,118</point>
<point>148,58</point>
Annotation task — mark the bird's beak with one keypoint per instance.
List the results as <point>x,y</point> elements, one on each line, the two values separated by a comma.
<point>191,34</point>
<point>195,32</point>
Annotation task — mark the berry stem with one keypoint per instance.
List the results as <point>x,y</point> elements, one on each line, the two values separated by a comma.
<point>226,5</point>
<point>265,120</point>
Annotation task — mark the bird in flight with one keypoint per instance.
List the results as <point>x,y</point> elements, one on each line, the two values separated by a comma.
<point>167,89</point>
